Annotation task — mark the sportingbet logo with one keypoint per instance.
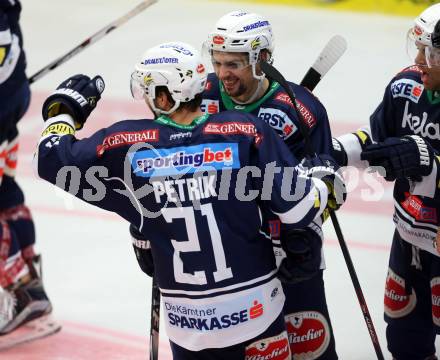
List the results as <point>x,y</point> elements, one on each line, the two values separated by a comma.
<point>184,160</point>
<point>408,89</point>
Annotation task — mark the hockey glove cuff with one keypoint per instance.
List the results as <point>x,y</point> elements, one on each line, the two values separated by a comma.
<point>325,168</point>
<point>347,148</point>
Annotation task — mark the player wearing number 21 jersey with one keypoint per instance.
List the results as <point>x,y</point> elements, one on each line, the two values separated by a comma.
<point>195,191</point>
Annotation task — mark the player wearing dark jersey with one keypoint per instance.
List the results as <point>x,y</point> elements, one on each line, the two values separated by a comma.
<point>237,44</point>
<point>24,298</point>
<point>406,128</point>
<point>194,186</point>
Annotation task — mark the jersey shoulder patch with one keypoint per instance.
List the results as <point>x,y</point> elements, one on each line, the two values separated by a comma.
<point>407,84</point>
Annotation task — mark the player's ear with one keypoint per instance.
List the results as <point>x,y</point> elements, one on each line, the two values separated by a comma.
<point>163,99</point>
<point>264,55</point>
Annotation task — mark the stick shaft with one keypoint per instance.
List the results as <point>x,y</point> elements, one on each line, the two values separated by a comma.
<point>155,320</point>
<point>95,37</point>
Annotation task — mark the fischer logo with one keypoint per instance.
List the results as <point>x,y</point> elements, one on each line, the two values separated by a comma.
<point>308,333</point>
<point>312,334</point>
<point>408,89</point>
<point>279,121</point>
<point>435,293</point>
<point>211,318</point>
<point>420,125</point>
<point>272,348</point>
<point>230,128</point>
<point>185,159</point>
<point>275,354</point>
<point>397,302</point>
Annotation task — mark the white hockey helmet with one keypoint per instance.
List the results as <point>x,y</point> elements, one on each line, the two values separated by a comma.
<point>175,65</point>
<point>240,31</point>
<point>426,33</point>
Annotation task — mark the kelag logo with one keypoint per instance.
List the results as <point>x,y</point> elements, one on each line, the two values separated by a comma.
<point>185,159</point>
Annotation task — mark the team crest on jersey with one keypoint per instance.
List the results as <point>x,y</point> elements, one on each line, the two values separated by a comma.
<point>279,121</point>
<point>435,295</point>
<point>185,159</point>
<point>272,348</point>
<point>309,334</point>
<point>414,206</point>
<point>407,88</point>
<point>397,302</point>
<point>210,106</point>
<point>230,128</point>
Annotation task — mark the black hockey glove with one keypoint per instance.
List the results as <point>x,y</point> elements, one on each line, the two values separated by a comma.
<point>77,96</point>
<point>325,168</point>
<point>142,250</point>
<point>303,255</point>
<point>406,157</point>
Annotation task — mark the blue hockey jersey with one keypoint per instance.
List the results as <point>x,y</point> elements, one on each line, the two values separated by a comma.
<point>196,193</point>
<point>12,57</point>
<point>408,108</point>
<point>277,110</point>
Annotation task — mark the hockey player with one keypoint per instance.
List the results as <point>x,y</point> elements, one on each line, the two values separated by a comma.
<point>406,128</point>
<point>240,40</point>
<point>22,297</point>
<point>192,185</point>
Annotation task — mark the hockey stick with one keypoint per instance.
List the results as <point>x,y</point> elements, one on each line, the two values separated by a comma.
<point>326,59</point>
<point>95,37</point>
<point>331,53</point>
<point>155,319</point>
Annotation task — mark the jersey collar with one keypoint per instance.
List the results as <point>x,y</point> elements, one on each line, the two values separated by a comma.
<point>230,105</point>
<point>165,120</point>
